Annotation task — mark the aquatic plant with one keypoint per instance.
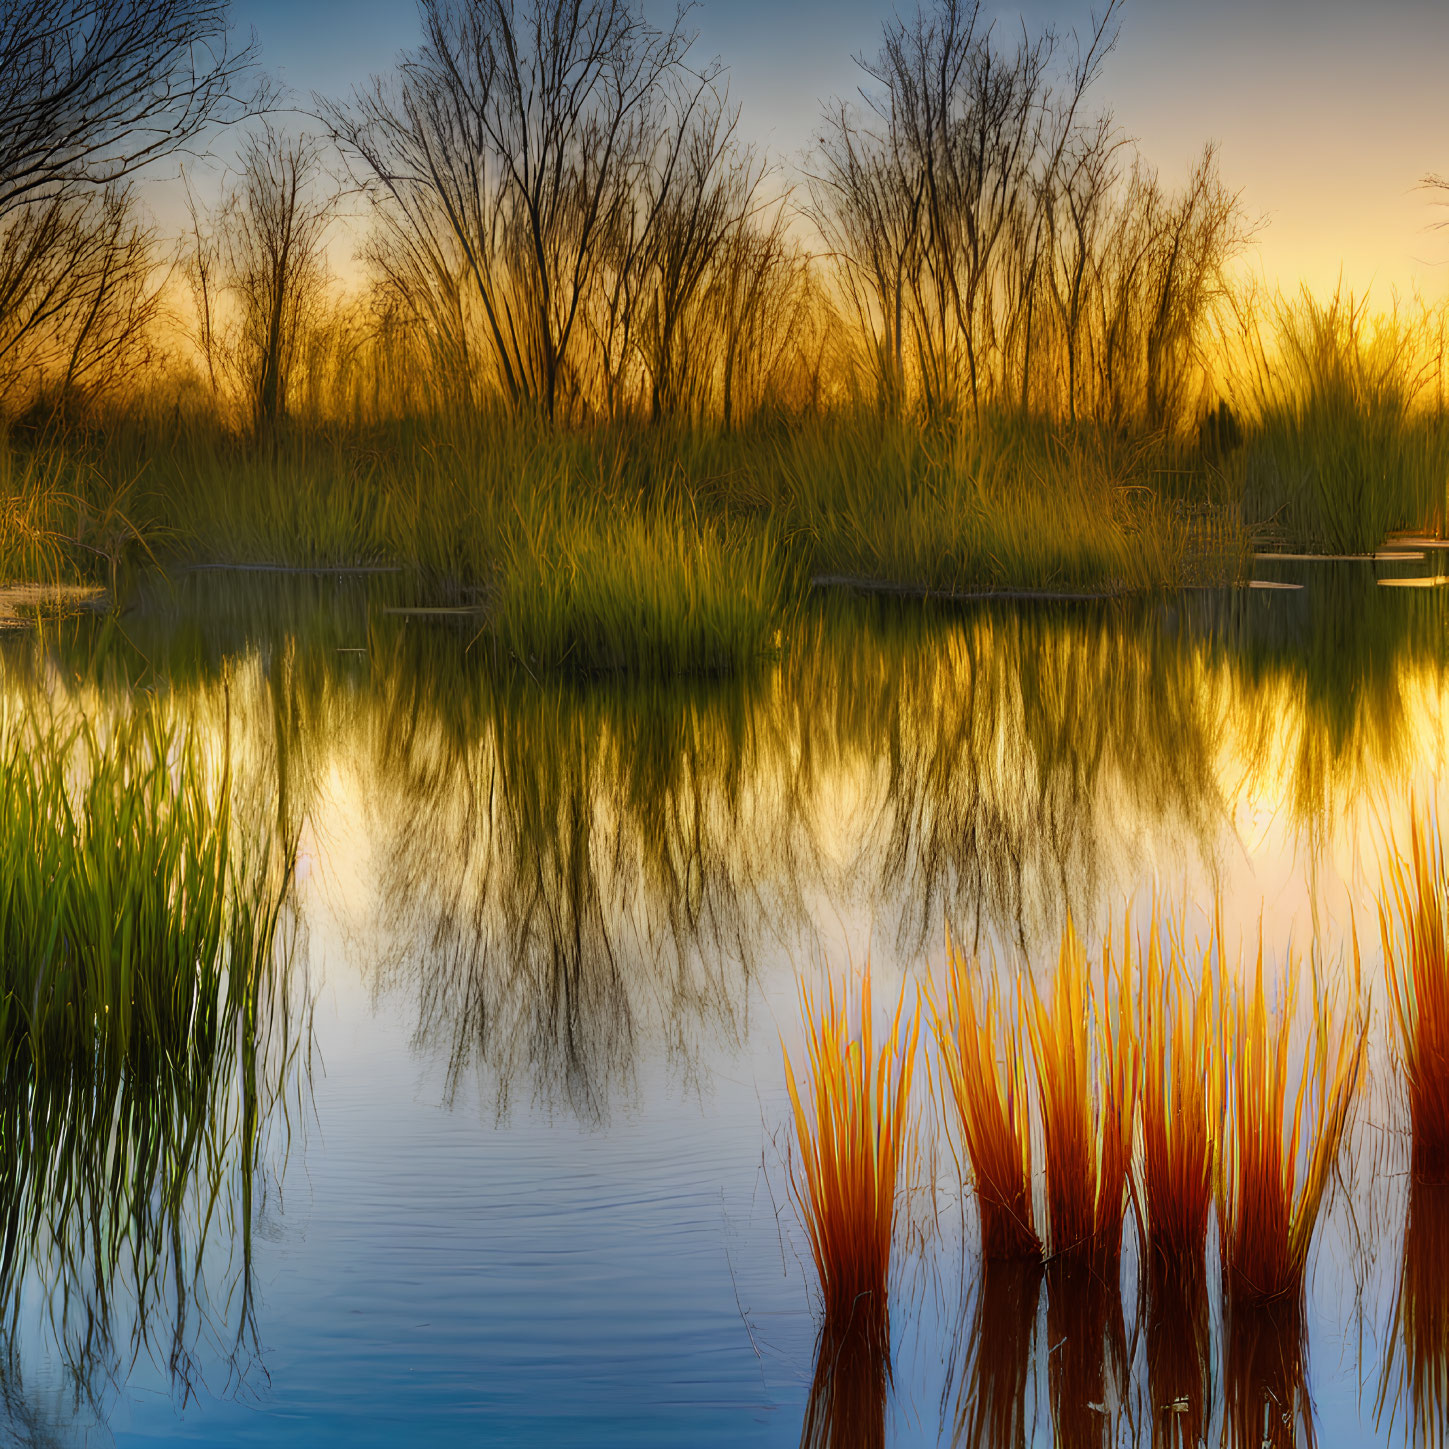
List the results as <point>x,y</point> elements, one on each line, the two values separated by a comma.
<point>1085,1054</point>
<point>1414,923</point>
<point>988,1088</point>
<point>853,1139</point>
<point>1280,1140</point>
<point>621,587</point>
<point>137,936</point>
<point>1181,1110</point>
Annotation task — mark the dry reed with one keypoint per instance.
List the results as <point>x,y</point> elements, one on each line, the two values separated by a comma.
<point>854,1140</point>
<point>1086,1070</point>
<point>989,1091</point>
<point>1414,923</point>
<point>1279,1144</point>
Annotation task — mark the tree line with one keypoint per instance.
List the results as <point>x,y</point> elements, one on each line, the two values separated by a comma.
<point>562,219</point>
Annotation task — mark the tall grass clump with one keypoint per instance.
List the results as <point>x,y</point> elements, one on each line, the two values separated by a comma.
<point>1414,923</point>
<point>1012,505</point>
<point>1181,1121</point>
<point>1085,1055</point>
<point>1342,446</point>
<point>1281,1137</point>
<point>138,939</point>
<point>1181,1113</point>
<point>646,589</point>
<point>854,1140</point>
<point>986,1076</point>
<point>130,934</point>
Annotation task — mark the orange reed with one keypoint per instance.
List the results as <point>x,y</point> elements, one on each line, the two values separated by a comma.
<point>853,1137</point>
<point>1280,1143</point>
<point>1414,923</point>
<point>1181,1106</point>
<point>1085,1055</point>
<point>986,1075</point>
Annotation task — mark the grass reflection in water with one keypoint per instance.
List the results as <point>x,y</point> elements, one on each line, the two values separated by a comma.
<point>143,1048</point>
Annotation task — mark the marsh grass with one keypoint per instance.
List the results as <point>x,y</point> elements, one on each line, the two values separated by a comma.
<point>1342,443</point>
<point>1282,1136</point>
<point>675,548</point>
<point>1085,1055</point>
<point>647,590</point>
<point>1180,1110</point>
<point>135,1023</point>
<point>1011,506</point>
<point>854,1140</point>
<point>986,1078</point>
<point>1414,924</point>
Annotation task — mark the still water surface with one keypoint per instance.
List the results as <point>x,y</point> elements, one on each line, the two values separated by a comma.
<point>522,1175</point>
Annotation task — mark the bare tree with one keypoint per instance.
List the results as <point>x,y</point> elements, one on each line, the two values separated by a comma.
<point>995,244</point>
<point>77,294</point>
<point>510,150</point>
<point>258,273</point>
<point>275,236</point>
<point>92,90</point>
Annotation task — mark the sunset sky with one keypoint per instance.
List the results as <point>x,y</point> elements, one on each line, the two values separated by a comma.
<point>1328,112</point>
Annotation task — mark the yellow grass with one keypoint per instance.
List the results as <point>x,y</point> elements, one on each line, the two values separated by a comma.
<point>1086,1069</point>
<point>1414,922</point>
<point>853,1138</point>
<point>1280,1143</point>
<point>986,1076</point>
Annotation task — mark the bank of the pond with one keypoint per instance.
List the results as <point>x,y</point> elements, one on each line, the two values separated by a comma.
<point>629,549</point>
<point>653,551</point>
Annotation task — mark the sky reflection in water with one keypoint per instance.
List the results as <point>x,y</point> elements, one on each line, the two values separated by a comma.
<point>530,1183</point>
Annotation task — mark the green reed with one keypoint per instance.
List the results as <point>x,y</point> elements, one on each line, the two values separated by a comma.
<point>136,1008</point>
<point>1012,504</point>
<point>1342,442</point>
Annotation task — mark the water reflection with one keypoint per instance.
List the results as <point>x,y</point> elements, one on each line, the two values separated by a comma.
<point>846,1408</point>
<point>994,1408</point>
<point>1265,1381</point>
<point>555,883</point>
<point>1179,1354</point>
<point>566,874</point>
<point>148,1035</point>
<point>1416,1376</point>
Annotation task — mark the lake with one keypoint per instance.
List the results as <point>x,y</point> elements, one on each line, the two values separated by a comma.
<point>515,1166</point>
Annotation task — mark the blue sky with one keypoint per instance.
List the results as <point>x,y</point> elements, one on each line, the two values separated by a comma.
<point>1327,112</point>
